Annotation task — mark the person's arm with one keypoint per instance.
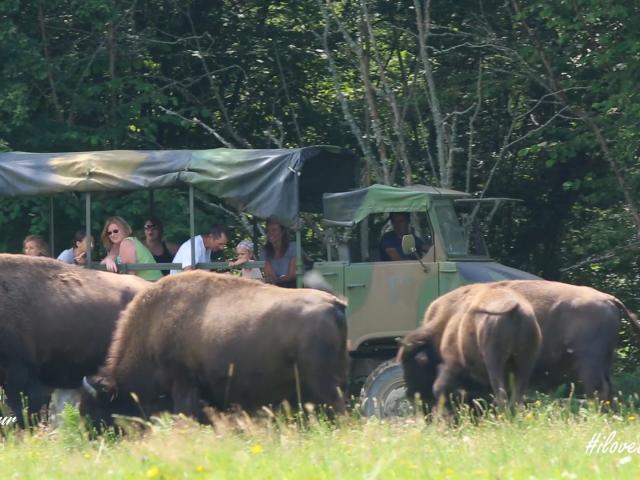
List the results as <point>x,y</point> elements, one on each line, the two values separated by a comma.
<point>128,252</point>
<point>269,274</point>
<point>172,247</point>
<point>393,254</point>
<point>291,272</point>
<point>110,261</point>
<point>389,248</point>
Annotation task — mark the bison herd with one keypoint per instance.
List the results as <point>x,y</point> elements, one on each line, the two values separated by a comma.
<point>202,339</point>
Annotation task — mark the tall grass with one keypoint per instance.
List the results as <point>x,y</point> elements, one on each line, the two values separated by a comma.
<point>546,439</point>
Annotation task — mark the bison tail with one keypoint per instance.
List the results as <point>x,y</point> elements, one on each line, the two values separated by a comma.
<point>626,313</point>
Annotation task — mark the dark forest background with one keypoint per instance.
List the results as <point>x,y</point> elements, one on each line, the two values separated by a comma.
<point>536,100</point>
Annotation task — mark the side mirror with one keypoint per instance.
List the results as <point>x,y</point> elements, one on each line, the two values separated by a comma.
<point>408,244</point>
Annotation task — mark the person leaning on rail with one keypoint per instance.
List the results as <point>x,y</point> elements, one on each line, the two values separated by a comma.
<point>279,256</point>
<point>77,254</point>
<point>213,241</point>
<point>123,248</point>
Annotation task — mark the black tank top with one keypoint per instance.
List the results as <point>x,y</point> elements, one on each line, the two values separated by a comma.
<point>164,257</point>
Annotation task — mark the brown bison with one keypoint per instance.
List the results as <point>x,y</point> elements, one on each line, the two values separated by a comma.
<point>579,327</point>
<point>480,334</point>
<point>56,322</point>
<point>201,338</point>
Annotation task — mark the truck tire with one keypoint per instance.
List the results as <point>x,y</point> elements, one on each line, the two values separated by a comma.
<point>384,394</point>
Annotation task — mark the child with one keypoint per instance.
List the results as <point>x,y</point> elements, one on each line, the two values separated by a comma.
<point>35,246</point>
<point>245,254</point>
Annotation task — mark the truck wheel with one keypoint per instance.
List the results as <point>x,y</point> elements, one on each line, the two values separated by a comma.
<point>384,394</point>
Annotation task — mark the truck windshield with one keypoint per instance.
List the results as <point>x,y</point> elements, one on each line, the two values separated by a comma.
<point>461,229</point>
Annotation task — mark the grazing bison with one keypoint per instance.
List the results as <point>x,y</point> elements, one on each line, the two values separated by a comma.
<point>480,337</point>
<point>56,322</point>
<point>579,327</point>
<point>201,338</point>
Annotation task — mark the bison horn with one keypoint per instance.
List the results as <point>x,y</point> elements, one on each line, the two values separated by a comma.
<point>87,387</point>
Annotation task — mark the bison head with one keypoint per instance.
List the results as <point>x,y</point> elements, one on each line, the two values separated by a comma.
<point>102,399</point>
<point>98,400</point>
<point>420,360</point>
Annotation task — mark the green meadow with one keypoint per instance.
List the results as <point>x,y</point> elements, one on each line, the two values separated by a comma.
<point>543,440</point>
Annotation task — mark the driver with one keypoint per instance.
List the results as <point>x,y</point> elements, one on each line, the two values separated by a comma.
<point>391,242</point>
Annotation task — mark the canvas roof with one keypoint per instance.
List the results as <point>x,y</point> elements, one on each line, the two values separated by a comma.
<point>265,183</point>
<point>349,208</point>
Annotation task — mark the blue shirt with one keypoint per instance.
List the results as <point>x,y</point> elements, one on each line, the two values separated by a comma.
<point>391,240</point>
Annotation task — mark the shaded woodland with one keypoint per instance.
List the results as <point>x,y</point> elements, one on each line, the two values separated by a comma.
<point>531,100</point>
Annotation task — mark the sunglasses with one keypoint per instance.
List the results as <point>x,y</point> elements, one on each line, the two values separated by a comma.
<point>111,232</point>
<point>151,226</point>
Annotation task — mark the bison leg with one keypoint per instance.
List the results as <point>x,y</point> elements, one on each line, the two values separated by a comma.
<point>22,383</point>
<point>447,382</point>
<point>594,375</point>
<point>321,386</point>
<point>186,400</point>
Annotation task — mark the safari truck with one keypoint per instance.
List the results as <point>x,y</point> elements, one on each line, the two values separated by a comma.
<point>386,299</point>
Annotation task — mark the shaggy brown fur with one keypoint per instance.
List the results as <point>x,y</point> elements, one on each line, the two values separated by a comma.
<point>481,334</point>
<point>579,327</point>
<point>204,338</point>
<point>56,322</point>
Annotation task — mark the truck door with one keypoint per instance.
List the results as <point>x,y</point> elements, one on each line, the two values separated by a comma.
<point>388,299</point>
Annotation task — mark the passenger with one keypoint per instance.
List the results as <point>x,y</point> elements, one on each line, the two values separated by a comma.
<point>245,254</point>
<point>213,241</point>
<point>163,252</point>
<point>391,242</point>
<point>122,248</point>
<point>279,256</point>
<point>35,246</point>
<point>78,252</point>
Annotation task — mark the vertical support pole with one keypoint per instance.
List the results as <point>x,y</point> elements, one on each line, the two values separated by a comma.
<point>299,264</point>
<point>192,226</point>
<point>51,228</point>
<point>87,219</point>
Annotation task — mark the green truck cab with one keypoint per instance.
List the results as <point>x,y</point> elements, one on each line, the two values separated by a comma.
<point>387,299</point>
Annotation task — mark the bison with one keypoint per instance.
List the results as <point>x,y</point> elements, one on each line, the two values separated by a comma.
<point>56,322</point>
<point>202,338</point>
<point>579,327</point>
<point>477,335</point>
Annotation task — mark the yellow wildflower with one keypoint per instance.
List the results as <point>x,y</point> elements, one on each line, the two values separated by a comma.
<point>632,418</point>
<point>256,449</point>
<point>153,472</point>
<point>199,469</point>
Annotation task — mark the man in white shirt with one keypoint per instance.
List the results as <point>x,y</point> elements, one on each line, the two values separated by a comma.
<point>213,241</point>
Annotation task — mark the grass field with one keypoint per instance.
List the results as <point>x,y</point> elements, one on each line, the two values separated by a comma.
<point>543,440</point>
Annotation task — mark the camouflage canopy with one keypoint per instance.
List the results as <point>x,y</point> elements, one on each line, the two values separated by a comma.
<point>277,182</point>
<point>349,208</point>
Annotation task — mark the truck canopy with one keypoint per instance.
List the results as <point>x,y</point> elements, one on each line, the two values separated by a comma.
<point>348,208</point>
<point>266,183</point>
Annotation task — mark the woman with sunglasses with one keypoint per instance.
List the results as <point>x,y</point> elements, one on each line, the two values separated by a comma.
<point>163,252</point>
<point>123,248</point>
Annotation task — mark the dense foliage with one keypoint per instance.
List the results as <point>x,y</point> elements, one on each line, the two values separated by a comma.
<point>532,100</point>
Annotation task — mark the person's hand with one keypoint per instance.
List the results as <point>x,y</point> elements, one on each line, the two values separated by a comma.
<point>238,261</point>
<point>269,277</point>
<point>110,264</point>
<point>81,258</point>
